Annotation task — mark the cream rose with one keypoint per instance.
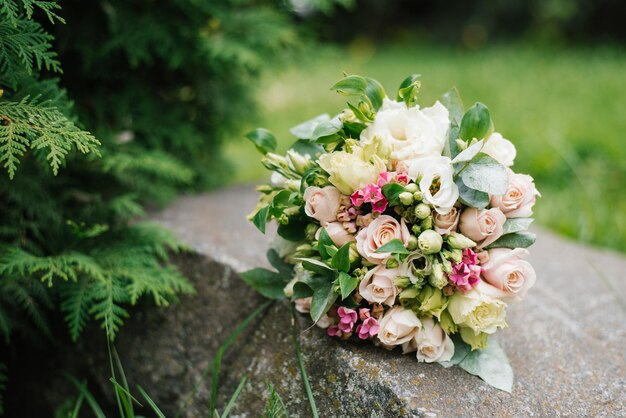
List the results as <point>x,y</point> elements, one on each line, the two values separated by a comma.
<point>507,276</point>
<point>350,171</point>
<point>377,285</point>
<point>500,149</point>
<point>432,343</point>
<point>322,203</point>
<point>482,226</point>
<point>519,198</point>
<point>448,223</point>
<point>436,181</point>
<point>398,326</point>
<point>409,132</point>
<point>379,232</point>
<point>477,311</point>
<point>338,234</point>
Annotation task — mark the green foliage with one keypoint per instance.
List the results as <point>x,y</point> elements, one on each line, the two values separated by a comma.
<point>275,407</point>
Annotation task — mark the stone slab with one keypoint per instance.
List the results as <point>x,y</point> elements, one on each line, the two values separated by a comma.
<point>566,341</point>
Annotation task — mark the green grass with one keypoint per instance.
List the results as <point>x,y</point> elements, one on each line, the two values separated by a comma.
<point>564,109</point>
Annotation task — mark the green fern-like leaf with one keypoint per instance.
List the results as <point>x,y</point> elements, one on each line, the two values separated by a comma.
<point>76,299</point>
<point>12,9</point>
<point>30,125</point>
<point>109,295</point>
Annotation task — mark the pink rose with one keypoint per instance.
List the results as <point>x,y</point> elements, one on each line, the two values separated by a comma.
<point>322,204</point>
<point>338,234</point>
<point>483,226</point>
<point>433,344</point>
<point>379,232</point>
<point>445,224</point>
<point>520,197</point>
<point>508,276</point>
<point>377,285</point>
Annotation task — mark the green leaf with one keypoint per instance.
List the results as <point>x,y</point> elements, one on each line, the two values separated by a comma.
<point>263,140</point>
<point>471,197</point>
<point>461,350</point>
<point>301,290</point>
<point>260,218</point>
<point>406,87</point>
<point>491,365</point>
<point>324,242</point>
<point>354,85</point>
<point>152,404</point>
<point>317,266</point>
<point>391,191</point>
<point>341,259</point>
<point>268,283</point>
<point>347,284</point>
<point>293,231</point>
<point>283,268</point>
<point>486,174</point>
<point>305,129</point>
<point>375,92</point>
<point>476,122</point>
<point>452,101</point>
<point>304,147</point>
<point>515,240</point>
<point>395,246</point>
<point>326,130</point>
<point>517,225</point>
<point>323,299</point>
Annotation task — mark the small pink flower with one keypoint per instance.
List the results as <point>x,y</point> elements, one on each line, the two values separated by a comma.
<point>380,205</point>
<point>357,198</point>
<point>347,319</point>
<point>364,313</point>
<point>469,257</point>
<point>384,178</point>
<point>466,274</point>
<point>403,179</point>
<point>370,194</point>
<point>368,328</point>
<point>333,331</point>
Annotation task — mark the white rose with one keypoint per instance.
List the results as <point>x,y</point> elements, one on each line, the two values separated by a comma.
<point>506,275</point>
<point>500,149</point>
<point>409,132</point>
<point>379,232</point>
<point>350,171</point>
<point>477,311</point>
<point>398,326</point>
<point>322,203</point>
<point>436,181</point>
<point>432,343</point>
<point>377,285</point>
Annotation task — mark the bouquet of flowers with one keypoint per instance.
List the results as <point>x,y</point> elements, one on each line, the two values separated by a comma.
<point>400,225</point>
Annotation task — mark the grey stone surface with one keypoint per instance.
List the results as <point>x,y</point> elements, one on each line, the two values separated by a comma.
<point>566,341</point>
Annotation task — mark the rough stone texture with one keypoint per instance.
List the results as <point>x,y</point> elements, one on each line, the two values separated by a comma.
<point>566,341</point>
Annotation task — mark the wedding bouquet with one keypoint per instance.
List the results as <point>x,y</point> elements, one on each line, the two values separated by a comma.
<point>400,225</point>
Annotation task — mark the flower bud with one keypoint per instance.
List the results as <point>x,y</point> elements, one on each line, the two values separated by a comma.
<point>411,188</point>
<point>427,223</point>
<point>365,108</point>
<point>437,278</point>
<point>406,198</point>
<point>460,241</point>
<point>454,255</point>
<point>418,196</point>
<point>461,145</point>
<point>401,282</point>
<point>310,231</point>
<point>429,242</point>
<point>292,211</point>
<point>283,219</point>
<point>446,265</point>
<point>409,293</point>
<point>422,211</point>
<point>411,243</point>
<point>416,229</point>
<point>392,263</point>
<point>288,289</point>
<point>273,161</point>
<point>347,115</point>
<point>300,163</point>
<point>354,255</point>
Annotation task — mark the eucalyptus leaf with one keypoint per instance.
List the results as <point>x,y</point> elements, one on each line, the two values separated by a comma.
<point>347,284</point>
<point>485,174</point>
<point>326,129</point>
<point>461,350</point>
<point>471,197</point>
<point>305,147</point>
<point>263,140</point>
<point>452,101</point>
<point>305,129</point>
<point>517,225</point>
<point>514,240</point>
<point>341,259</point>
<point>268,283</point>
<point>323,298</point>
<point>491,365</point>
<point>395,246</point>
<point>469,153</point>
<point>476,122</point>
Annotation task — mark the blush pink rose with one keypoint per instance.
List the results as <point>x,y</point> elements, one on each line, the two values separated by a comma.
<point>519,198</point>
<point>303,305</point>
<point>379,232</point>
<point>483,226</point>
<point>507,275</point>
<point>338,233</point>
<point>446,224</point>
<point>377,285</point>
<point>322,203</point>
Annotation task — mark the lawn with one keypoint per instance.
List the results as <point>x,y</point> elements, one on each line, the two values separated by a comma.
<point>564,109</point>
